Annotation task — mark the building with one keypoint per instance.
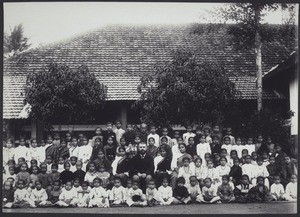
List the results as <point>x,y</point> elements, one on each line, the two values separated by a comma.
<point>120,55</point>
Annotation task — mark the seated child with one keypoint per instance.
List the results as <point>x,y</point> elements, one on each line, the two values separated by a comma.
<point>241,191</point>
<point>260,193</point>
<point>22,196</point>
<point>73,161</point>
<point>53,196</point>
<point>291,189</point>
<point>7,195</point>
<point>223,169</point>
<point>135,196</point>
<point>166,192</point>
<point>68,196</point>
<point>98,195</point>
<point>272,169</point>
<point>261,170</point>
<point>186,170</point>
<point>180,192</point>
<point>23,175</point>
<point>225,190</point>
<point>79,173</point>
<point>152,149</point>
<point>235,173</point>
<point>199,170</point>
<point>49,162</point>
<point>43,176</point>
<point>11,174</point>
<point>83,194</point>
<point>152,195</point>
<point>61,165</point>
<point>277,190</point>
<point>39,195</point>
<point>211,172</point>
<point>194,190</point>
<point>249,169</point>
<point>103,175</point>
<point>54,175</point>
<point>34,174</point>
<point>117,194</point>
<point>209,192</point>
<point>66,175</point>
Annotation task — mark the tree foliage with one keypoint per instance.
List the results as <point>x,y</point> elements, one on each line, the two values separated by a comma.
<point>61,94</point>
<point>15,42</point>
<point>185,91</point>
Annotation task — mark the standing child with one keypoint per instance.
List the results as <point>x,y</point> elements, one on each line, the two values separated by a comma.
<point>152,149</point>
<point>189,133</point>
<point>91,174</point>
<point>22,196</point>
<point>238,147</point>
<point>98,195</point>
<point>217,132</point>
<point>132,148</point>
<point>235,173</point>
<point>118,131</point>
<point>22,151</point>
<point>73,161</point>
<point>103,175</point>
<point>225,190</point>
<point>272,169</point>
<point>79,173</point>
<point>8,151</point>
<point>135,196</point>
<point>223,169</point>
<point>152,196</point>
<point>261,170</point>
<point>23,175</point>
<point>61,164</point>
<point>211,172</point>
<point>39,195</point>
<point>117,194</point>
<point>199,171</point>
<point>265,157</point>
<point>206,131</point>
<point>98,135</point>
<point>43,176</point>
<point>85,152</point>
<point>109,132</point>
<point>165,132</point>
<point>74,149</point>
<point>241,191</point>
<point>7,195</point>
<point>98,145</point>
<point>194,190</point>
<point>54,175</point>
<point>63,150</point>
<point>68,196</point>
<point>203,147</point>
<point>49,162</point>
<point>191,148</point>
<point>66,175</point>
<point>227,144</point>
<point>277,190</point>
<point>229,134</point>
<point>249,169</point>
<point>250,146</point>
<point>35,152</point>
<point>110,149</point>
<point>166,192</point>
<point>180,192</point>
<point>175,138</point>
<point>153,135</point>
<point>186,170</point>
<point>233,155</point>
<point>209,192</point>
<point>215,145</point>
<point>129,134</point>
<point>291,189</point>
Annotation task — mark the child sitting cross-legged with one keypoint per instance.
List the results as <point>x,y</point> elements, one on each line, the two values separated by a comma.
<point>53,193</point>
<point>39,195</point>
<point>117,194</point>
<point>241,191</point>
<point>98,195</point>
<point>135,196</point>
<point>194,190</point>
<point>22,196</point>
<point>291,189</point>
<point>152,195</point>
<point>225,190</point>
<point>277,190</point>
<point>186,170</point>
<point>209,192</point>
<point>180,193</point>
<point>260,192</point>
<point>165,192</point>
<point>68,196</point>
<point>83,194</point>
<point>7,195</point>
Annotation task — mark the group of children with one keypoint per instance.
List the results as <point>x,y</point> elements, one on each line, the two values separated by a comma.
<point>104,171</point>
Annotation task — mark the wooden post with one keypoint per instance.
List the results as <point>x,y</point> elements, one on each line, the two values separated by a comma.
<point>124,115</point>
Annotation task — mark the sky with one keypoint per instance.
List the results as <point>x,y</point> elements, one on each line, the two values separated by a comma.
<point>47,22</point>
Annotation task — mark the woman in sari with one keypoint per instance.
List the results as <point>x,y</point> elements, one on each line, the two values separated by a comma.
<point>120,165</point>
<point>177,162</point>
<point>162,165</point>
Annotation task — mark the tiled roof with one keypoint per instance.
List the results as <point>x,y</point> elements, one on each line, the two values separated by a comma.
<point>119,55</point>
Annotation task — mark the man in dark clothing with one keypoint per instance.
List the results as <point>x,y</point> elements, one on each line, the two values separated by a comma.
<point>142,166</point>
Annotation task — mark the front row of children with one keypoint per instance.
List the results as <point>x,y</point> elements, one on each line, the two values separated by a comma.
<point>71,194</point>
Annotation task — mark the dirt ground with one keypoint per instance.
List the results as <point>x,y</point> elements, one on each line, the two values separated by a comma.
<point>253,208</point>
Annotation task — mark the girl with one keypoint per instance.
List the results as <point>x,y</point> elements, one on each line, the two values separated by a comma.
<point>225,190</point>
<point>203,147</point>
<point>66,175</point>
<point>39,195</point>
<point>7,195</point>
<point>103,175</point>
<point>91,174</point>
<point>191,148</point>
<point>235,173</point>
<point>265,157</point>
<point>135,196</point>
<point>165,192</point>
<point>180,193</point>
<point>291,189</point>
<point>49,162</point>
<point>35,152</point>
<point>22,151</point>
<point>211,172</point>
<point>73,161</point>
<point>61,165</point>
<point>186,170</point>
<point>54,175</point>
<point>11,174</point>
<point>74,149</point>
<point>175,138</point>
<point>215,145</point>
<point>99,136</point>
<point>165,132</point>
<point>261,170</point>
<point>117,195</point>
<point>241,191</point>
<point>132,148</point>
<point>68,196</point>
<point>98,195</point>
<point>98,145</point>
<point>22,196</point>
<point>162,166</point>
<point>194,190</point>
<point>63,150</point>
<point>84,195</point>
<point>277,190</point>
<point>189,133</point>
<point>238,147</point>
<point>152,196</point>
<point>43,176</point>
<point>68,139</point>
<point>151,149</point>
<point>249,169</point>
<point>227,145</point>
<point>254,158</point>
<point>250,146</point>
<point>260,193</point>
<point>209,192</point>
<point>101,160</point>
<point>34,175</point>
<point>8,151</point>
<point>110,149</point>
<point>199,170</point>
<point>120,166</point>
<point>23,175</point>
<point>270,145</point>
<point>223,169</point>
<point>233,155</point>
<point>85,152</point>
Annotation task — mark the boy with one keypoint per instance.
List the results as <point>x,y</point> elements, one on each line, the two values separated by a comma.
<point>68,196</point>
<point>225,191</point>
<point>291,189</point>
<point>153,135</point>
<point>194,190</point>
<point>135,196</point>
<point>79,173</point>
<point>109,132</point>
<point>118,131</point>
<point>188,134</point>
<point>165,192</point>
<point>98,195</point>
<point>209,192</point>
<point>117,195</point>
<point>39,195</point>
<point>165,134</point>
<point>180,193</point>
<point>152,195</point>
<point>277,190</point>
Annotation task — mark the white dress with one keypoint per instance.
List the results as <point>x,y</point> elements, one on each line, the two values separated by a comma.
<point>166,194</point>
<point>117,195</point>
<point>97,195</point>
<point>202,149</point>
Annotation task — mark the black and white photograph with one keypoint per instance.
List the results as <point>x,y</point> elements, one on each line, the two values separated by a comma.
<point>150,108</point>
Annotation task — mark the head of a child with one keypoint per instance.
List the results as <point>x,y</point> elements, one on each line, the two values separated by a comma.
<point>109,126</point>
<point>248,159</point>
<point>228,131</point>
<point>23,167</point>
<point>162,151</point>
<point>265,155</point>
<point>260,181</point>
<point>76,183</point>
<point>68,136</point>
<point>73,160</point>
<point>121,151</point>
<point>11,170</point>
<point>217,157</point>
<point>198,162</point>
<point>110,141</point>
<point>54,168</point>
<point>165,182</point>
<point>91,167</point>
<point>180,182</point>
<point>250,141</point>
<point>245,179</point>
<point>128,183</point>
<point>74,142</point>
<point>164,140</point>
<point>117,182</point>
<point>43,168</point>
<point>38,185</point>
<point>277,179</point>
<point>272,160</point>
<point>238,141</point>
<point>85,140</point>
<point>189,128</point>
<point>151,141</point>
<point>137,139</point>
<point>191,141</point>
<point>33,143</point>
<point>21,160</point>
<point>100,154</point>
<point>129,127</point>
<point>7,185</point>
<point>260,139</point>
<point>182,148</point>
<point>216,129</point>
<point>21,184</point>
<point>78,165</point>
<point>278,148</point>
<point>223,161</point>
<point>165,131</point>
<point>269,140</point>
<point>210,164</point>
<point>22,141</point>
<point>33,162</point>
<point>48,159</point>
<point>193,181</point>
<point>254,156</point>
<point>206,131</point>
<point>179,141</point>
<point>236,161</point>
<point>123,142</point>
<point>245,153</point>
<point>68,185</point>
<point>186,161</point>
<point>152,129</point>
<point>207,182</point>
<point>56,186</point>
<point>207,156</point>
<point>9,143</point>
<point>135,185</point>
<point>223,152</point>
<point>294,178</point>
<point>225,180</point>
<point>98,131</point>
<point>259,161</point>
<point>67,166</point>
<point>151,184</point>
<point>118,124</point>
<point>101,168</point>
<point>202,138</point>
<point>176,134</point>
<point>97,142</point>
<point>85,185</point>
<point>287,160</point>
<point>11,180</point>
<point>61,161</point>
<point>233,154</point>
<point>215,140</point>
<point>226,140</point>
<point>49,139</point>
<point>35,170</point>
<point>198,130</point>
